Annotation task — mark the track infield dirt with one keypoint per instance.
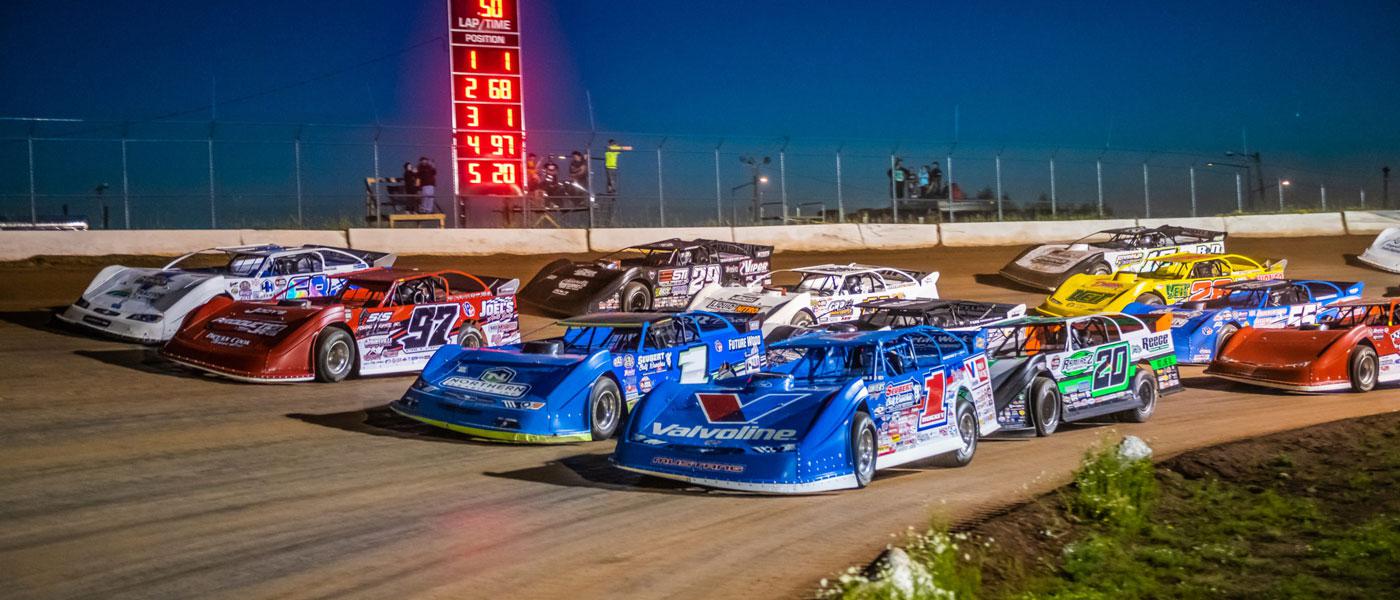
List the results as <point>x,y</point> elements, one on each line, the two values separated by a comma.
<point>123,477</point>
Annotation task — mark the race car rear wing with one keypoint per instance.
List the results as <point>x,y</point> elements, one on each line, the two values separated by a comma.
<point>375,259</point>
<point>500,286</point>
<point>1189,235</point>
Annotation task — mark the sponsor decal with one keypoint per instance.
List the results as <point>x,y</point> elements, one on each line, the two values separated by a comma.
<point>672,276</point>
<point>743,343</point>
<point>1078,362</point>
<point>266,310</point>
<point>226,340</point>
<point>1178,290</point>
<point>119,293</point>
<point>719,345</point>
<point>250,326</point>
<point>617,362</point>
<point>658,361</point>
<point>1153,344</point>
<point>629,361</point>
<point>572,285</point>
<point>1089,297</point>
<point>495,381</point>
<point>585,273</point>
<point>687,463</point>
<point>749,298</point>
<point>747,432</point>
<point>645,384</point>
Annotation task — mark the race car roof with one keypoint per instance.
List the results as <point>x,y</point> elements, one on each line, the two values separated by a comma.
<point>921,305</point>
<point>616,319</point>
<point>834,269</point>
<point>1189,257</point>
<point>390,274</point>
<point>1257,284</point>
<point>1366,302</point>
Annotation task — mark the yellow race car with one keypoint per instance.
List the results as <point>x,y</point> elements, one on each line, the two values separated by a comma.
<point>1163,280</point>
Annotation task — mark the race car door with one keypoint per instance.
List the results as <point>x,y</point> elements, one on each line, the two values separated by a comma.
<point>724,345</point>
<point>413,322</point>
<point>1110,366</point>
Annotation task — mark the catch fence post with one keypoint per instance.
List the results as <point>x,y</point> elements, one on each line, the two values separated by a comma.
<point>33,200</point>
<point>660,185</point>
<point>1053,211</point>
<point>213,216</point>
<point>719,198</point>
<point>296,156</point>
<point>840,199</point>
<point>1146,194</point>
<point>782,181</point>
<point>126,183</point>
<point>1098,166</point>
<point>1324,197</point>
<point>1193,190</point>
<point>999,210</point>
<point>1239,194</point>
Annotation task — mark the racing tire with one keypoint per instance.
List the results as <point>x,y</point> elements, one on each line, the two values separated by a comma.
<point>1145,392</point>
<point>1100,268</point>
<point>335,355</point>
<point>1223,337</point>
<point>864,449</point>
<point>803,318</point>
<point>969,431</point>
<point>1044,406</point>
<point>636,297</point>
<point>1151,299</point>
<point>470,337</point>
<point>1362,368</point>
<point>605,408</point>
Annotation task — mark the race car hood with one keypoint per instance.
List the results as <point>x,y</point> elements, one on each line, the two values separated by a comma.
<point>574,288</point>
<point>1056,258</point>
<point>1384,253</point>
<point>1087,294</point>
<point>751,300</point>
<point>248,327</point>
<point>768,411</point>
<point>1279,347</point>
<point>507,373</point>
<point>137,290</point>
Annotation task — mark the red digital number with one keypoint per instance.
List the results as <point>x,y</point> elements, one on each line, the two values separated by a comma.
<point>488,117</point>
<point>490,9</point>
<point>501,88</point>
<point>488,145</point>
<point>501,61</point>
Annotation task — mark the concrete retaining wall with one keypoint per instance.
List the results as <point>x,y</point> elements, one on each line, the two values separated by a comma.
<point>612,240</point>
<point>1319,224</point>
<point>294,237</point>
<point>1018,233</point>
<point>471,242</point>
<point>803,238</point>
<point>898,236</point>
<point>1360,222</point>
<point>19,245</point>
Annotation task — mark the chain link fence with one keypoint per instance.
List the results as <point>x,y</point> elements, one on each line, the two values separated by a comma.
<point>158,175</point>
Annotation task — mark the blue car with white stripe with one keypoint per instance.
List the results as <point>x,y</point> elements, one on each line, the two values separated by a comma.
<point>582,385</point>
<point>1199,329</point>
<point>827,410</point>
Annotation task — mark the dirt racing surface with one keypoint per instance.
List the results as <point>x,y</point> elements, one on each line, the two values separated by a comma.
<point>124,477</point>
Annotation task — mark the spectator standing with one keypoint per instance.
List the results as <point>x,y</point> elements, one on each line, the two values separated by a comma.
<point>897,176</point>
<point>578,170</point>
<point>923,181</point>
<point>410,187</point>
<point>532,172</point>
<point>935,181</point>
<point>610,164</point>
<point>427,185</point>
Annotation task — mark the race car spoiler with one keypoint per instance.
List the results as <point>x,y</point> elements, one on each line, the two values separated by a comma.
<point>1189,234</point>
<point>962,310</point>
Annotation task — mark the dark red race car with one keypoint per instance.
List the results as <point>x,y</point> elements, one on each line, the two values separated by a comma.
<point>1355,349</point>
<point>382,321</point>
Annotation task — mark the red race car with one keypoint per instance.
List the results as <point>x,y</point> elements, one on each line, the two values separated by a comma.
<point>382,321</point>
<point>1355,348</point>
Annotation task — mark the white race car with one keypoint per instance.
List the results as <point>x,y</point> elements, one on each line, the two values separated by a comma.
<point>1109,251</point>
<point>1384,253</point>
<point>148,305</point>
<point>823,294</point>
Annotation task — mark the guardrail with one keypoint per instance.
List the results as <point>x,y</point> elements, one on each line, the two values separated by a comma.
<point>21,245</point>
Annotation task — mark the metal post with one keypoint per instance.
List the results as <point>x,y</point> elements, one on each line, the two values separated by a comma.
<point>1193,190</point>
<point>1239,193</point>
<point>296,156</point>
<point>1052,189</point>
<point>719,199</point>
<point>1280,195</point>
<point>999,212</point>
<point>1363,198</point>
<point>782,183</point>
<point>33,202</point>
<point>592,199</point>
<point>894,203</point>
<point>951,216</point>
<point>1146,195</point>
<point>126,186</point>
<point>213,217</point>
<point>1098,165</point>
<point>660,188</point>
<point>840,200</point>
<point>1324,197</point>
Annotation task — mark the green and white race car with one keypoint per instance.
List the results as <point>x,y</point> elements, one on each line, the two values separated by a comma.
<point>1048,371</point>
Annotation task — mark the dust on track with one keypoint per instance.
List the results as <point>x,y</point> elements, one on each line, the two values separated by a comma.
<point>125,477</point>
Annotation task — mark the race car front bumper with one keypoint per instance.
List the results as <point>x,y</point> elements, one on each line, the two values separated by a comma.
<point>487,421</point>
<point>770,473</point>
<point>1287,378</point>
<point>116,325</point>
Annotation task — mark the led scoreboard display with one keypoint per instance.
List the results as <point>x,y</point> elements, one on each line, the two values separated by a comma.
<point>488,120</point>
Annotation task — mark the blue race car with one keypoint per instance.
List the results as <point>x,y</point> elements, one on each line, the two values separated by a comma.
<point>580,386</point>
<point>1199,329</point>
<point>827,411</point>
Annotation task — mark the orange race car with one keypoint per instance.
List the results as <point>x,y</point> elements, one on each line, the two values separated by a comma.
<point>1356,349</point>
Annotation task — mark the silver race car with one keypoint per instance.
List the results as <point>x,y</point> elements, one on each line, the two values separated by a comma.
<point>1109,251</point>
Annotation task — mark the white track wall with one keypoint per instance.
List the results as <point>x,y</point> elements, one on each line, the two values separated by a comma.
<point>21,245</point>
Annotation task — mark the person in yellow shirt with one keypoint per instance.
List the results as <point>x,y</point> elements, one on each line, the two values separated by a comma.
<point>610,164</point>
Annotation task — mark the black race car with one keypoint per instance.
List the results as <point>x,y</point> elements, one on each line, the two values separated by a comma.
<point>898,313</point>
<point>1048,265</point>
<point>661,275</point>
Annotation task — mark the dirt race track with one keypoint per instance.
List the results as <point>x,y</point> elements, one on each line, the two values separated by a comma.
<point>123,477</point>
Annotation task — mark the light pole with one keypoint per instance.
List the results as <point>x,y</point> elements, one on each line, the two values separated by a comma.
<point>1254,158</point>
<point>757,178</point>
<point>1282,183</point>
<point>1249,192</point>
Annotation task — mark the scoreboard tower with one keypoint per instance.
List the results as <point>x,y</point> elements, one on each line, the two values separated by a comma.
<point>488,118</point>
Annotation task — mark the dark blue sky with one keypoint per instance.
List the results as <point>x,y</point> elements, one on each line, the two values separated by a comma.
<point>1314,83</point>
<point>1319,76</point>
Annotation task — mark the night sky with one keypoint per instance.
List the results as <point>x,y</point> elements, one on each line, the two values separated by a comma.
<point>1313,84</point>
